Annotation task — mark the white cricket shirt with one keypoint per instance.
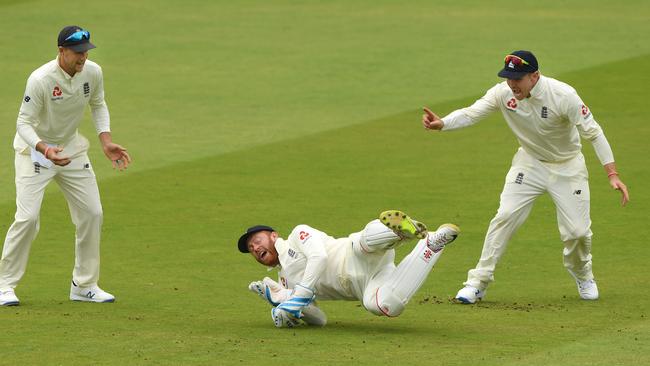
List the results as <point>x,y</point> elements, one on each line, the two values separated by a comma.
<point>548,124</point>
<point>313,259</point>
<point>53,107</point>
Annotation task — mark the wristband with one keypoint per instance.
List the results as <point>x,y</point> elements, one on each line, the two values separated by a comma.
<point>611,174</point>
<point>46,150</point>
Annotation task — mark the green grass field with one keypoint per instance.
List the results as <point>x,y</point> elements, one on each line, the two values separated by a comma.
<point>283,112</point>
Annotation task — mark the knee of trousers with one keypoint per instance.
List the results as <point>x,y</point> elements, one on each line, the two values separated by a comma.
<point>576,233</point>
<point>384,303</point>
<point>27,219</point>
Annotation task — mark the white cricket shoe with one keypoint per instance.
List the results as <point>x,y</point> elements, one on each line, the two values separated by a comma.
<point>8,298</point>
<point>588,290</point>
<point>89,294</point>
<point>469,295</point>
<point>445,234</point>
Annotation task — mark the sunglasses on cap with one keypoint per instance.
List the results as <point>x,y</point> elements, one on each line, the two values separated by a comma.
<point>516,60</point>
<point>78,36</point>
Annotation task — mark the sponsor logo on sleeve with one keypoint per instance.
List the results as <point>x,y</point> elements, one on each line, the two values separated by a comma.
<point>585,111</point>
<point>304,236</point>
<point>27,98</point>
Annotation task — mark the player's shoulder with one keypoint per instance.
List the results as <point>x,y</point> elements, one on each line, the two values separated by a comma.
<point>43,72</point>
<point>500,89</point>
<point>92,68</point>
<point>558,87</point>
<point>302,233</point>
<point>302,227</point>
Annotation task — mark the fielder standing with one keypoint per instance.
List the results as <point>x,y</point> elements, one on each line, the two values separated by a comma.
<point>49,147</point>
<point>314,265</point>
<point>548,118</point>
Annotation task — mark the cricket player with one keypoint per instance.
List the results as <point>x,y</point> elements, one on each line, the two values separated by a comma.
<point>548,118</point>
<point>49,147</point>
<point>313,265</point>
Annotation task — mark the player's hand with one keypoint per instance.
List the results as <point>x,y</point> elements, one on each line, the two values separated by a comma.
<point>270,291</point>
<point>283,319</point>
<point>431,121</point>
<point>618,185</point>
<point>55,156</point>
<point>300,297</point>
<point>117,155</point>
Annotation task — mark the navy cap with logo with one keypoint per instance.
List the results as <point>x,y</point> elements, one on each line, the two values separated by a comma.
<point>517,64</point>
<point>242,244</point>
<point>75,38</point>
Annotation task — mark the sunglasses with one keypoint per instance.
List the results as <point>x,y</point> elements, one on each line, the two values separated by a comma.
<point>78,36</point>
<point>516,60</point>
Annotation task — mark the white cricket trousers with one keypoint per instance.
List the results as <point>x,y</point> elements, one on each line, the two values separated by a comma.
<point>79,186</point>
<point>528,178</point>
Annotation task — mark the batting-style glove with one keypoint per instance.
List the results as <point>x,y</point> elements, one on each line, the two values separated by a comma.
<point>270,291</point>
<point>301,297</point>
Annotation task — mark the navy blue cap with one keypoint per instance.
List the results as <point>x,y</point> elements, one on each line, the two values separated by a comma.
<point>75,38</point>
<point>515,68</point>
<point>242,244</point>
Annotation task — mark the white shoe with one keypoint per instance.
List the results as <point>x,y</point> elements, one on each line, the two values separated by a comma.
<point>90,294</point>
<point>8,298</point>
<point>445,234</point>
<point>588,290</point>
<point>469,295</point>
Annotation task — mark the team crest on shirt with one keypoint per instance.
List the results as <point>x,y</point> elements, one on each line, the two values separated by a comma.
<point>57,93</point>
<point>585,111</point>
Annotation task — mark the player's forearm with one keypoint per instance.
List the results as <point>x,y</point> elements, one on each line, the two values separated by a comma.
<point>602,149</point>
<point>101,117</point>
<point>105,138</point>
<point>316,265</point>
<point>26,131</point>
<point>610,169</point>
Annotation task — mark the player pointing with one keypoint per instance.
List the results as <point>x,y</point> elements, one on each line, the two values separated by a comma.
<point>548,118</point>
<point>314,265</point>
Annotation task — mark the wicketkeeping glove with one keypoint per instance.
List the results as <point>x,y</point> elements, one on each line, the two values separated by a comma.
<point>301,297</point>
<point>270,291</point>
<point>283,319</point>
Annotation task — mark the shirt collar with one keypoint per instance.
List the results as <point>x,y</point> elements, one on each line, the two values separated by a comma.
<point>538,89</point>
<point>62,72</point>
<point>281,246</point>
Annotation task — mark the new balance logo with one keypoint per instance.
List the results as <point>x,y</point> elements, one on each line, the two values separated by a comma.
<point>520,178</point>
<point>37,168</point>
<point>86,89</point>
<point>544,112</point>
<point>90,295</point>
